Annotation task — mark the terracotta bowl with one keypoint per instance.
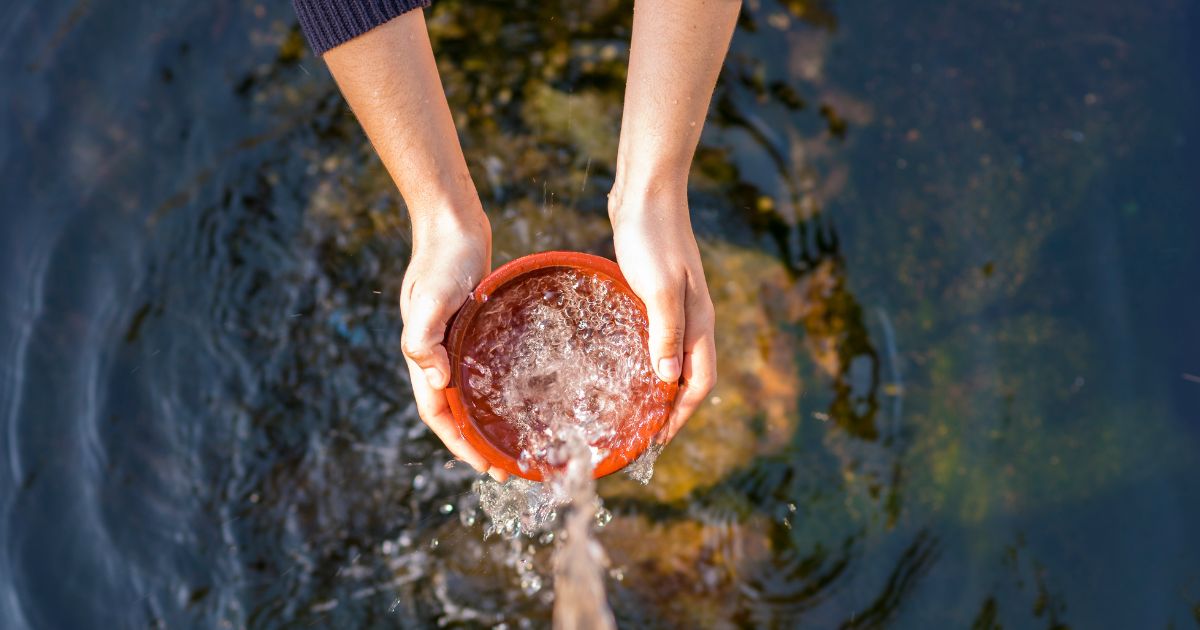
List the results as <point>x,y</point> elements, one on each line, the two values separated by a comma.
<point>491,434</point>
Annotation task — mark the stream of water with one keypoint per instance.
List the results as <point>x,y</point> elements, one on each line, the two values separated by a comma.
<point>560,369</point>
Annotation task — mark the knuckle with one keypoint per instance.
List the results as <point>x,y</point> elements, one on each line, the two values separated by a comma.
<point>669,334</point>
<point>415,350</point>
<point>665,293</point>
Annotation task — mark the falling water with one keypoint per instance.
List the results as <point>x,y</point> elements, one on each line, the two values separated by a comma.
<point>563,359</point>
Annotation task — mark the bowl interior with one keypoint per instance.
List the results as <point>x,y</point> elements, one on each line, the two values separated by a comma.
<point>503,307</point>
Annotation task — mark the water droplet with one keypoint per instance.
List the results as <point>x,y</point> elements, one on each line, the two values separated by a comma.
<point>433,544</point>
<point>446,508</point>
<point>603,517</point>
<point>531,583</point>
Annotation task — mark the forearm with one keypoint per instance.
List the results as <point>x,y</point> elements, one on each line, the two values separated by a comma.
<point>676,54</point>
<point>389,78</point>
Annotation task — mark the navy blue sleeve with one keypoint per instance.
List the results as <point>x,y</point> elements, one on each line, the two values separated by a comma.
<point>327,23</point>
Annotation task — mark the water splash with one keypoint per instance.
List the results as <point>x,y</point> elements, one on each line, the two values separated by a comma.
<point>563,511</point>
<point>563,361</point>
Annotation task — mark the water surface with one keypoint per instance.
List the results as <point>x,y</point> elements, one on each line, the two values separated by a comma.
<point>953,249</point>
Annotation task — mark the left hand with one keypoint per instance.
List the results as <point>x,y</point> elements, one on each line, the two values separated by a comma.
<point>658,256</point>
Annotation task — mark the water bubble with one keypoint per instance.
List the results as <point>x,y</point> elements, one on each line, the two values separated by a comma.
<point>603,517</point>
<point>446,508</point>
<point>433,544</point>
<point>546,538</point>
<point>531,583</point>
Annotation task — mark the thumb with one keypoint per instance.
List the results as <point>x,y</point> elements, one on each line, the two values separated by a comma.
<point>421,339</point>
<point>667,325</point>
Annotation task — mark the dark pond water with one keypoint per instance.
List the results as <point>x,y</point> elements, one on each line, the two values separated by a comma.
<point>953,247</point>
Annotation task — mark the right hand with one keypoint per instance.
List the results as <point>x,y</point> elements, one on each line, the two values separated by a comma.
<point>658,255</point>
<point>450,256</point>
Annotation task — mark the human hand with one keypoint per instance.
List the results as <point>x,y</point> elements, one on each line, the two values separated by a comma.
<point>413,132</point>
<point>450,256</point>
<point>658,256</point>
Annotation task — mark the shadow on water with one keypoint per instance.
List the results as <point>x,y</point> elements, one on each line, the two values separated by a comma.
<point>208,424</point>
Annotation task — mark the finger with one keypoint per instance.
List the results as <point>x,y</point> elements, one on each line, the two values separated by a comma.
<point>421,339</point>
<point>699,373</point>
<point>699,376</point>
<point>499,474</point>
<point>435,413</point>
<point>664,309</point>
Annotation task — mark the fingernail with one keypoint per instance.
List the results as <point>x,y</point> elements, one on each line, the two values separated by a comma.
<point>494,473</point>
<point>434,377</point>
<point>668,369</point>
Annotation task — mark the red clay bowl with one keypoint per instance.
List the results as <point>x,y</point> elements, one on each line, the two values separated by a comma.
<point>492,435</point>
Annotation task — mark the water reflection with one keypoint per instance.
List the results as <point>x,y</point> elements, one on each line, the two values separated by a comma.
<point>917,422</point>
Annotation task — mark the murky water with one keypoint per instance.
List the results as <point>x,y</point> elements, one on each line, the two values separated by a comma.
<point>952,247</point>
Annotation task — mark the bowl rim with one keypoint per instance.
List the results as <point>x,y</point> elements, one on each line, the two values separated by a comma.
<point>459,326</point>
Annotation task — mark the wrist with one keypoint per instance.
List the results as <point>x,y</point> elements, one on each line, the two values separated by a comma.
<point>639,195</point>
<point>439,195</point>
<point>450,221</point>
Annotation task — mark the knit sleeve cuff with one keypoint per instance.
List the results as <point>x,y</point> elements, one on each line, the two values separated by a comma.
<point>327,23</point>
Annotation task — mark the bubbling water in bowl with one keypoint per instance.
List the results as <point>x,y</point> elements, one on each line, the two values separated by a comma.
<point>561,348</point>
<point>559,376</point>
